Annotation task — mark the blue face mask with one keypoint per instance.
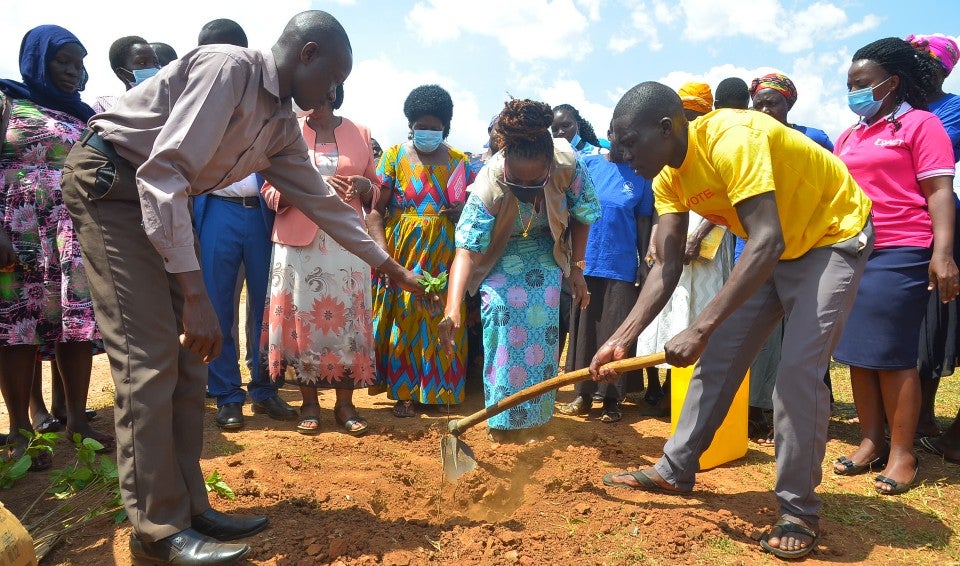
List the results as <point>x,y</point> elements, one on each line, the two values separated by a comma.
<point>861,101</point>
<point>427,140</point>
<point>140,75</point>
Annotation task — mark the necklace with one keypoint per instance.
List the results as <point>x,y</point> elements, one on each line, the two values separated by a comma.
<point>526,229</point>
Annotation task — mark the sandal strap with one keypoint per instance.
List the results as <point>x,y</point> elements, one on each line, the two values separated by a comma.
<point>790,524</point>
<point>846,462</point>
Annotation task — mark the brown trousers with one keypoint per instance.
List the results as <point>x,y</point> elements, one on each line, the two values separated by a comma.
<point>159,385</point>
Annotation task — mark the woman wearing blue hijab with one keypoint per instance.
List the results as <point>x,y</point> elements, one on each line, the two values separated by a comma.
<point>44,296</point>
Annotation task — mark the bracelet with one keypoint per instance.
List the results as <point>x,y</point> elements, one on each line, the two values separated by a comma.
<point>582,264</point>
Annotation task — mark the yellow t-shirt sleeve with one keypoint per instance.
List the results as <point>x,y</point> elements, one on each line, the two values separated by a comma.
<point>666,194</point>
<point>741,156</point>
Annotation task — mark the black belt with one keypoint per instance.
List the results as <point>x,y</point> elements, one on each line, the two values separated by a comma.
<point>245,202</point>
<point>91,138</point>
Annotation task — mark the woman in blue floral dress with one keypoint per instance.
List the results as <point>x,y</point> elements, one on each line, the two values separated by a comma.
<point>44,299</point>
<point>524,226</point>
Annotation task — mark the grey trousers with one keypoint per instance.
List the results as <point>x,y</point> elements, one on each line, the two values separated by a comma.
<point>815,292</point>
<point>139,306</point>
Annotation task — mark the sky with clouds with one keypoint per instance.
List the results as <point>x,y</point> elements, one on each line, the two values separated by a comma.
<point>581,52</point>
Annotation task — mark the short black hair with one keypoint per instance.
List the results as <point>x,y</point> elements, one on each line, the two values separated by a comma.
<point>429,100</point>
<point>120,50</point>
<point>648,102</point>
<point>222,31</point>
<point>165,53</point>
<point>917,69</point>
<point>732,92</point>
<point>584,128</point>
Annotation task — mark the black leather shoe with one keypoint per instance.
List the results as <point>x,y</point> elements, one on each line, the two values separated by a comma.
<point>186,547</point>
<point>275,408</point>
<point>221,526</point>
<point>230,416</point>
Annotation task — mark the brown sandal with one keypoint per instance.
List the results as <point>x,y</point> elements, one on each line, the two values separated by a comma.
<point>404,410</point>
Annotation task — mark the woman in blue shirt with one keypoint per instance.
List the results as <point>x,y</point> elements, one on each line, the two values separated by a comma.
<point>614,246</point>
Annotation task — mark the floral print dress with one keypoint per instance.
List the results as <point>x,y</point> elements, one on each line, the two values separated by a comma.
<point>520,302</point>
<point>318,314</point>
<point>45,298</point>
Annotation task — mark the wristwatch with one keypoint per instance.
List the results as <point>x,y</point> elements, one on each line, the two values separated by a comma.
<point>582,264</point>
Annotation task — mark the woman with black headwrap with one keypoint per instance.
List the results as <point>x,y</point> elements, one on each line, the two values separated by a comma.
<point>43,289</point>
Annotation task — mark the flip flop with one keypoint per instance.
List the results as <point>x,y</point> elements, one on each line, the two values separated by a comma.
<point>927,443</point>
<point>851,468</point>
<point>49,424</point>
<point>788,525</point>
<point>610,416</point>
<point>897,488</point>
<point>645,481</point>
<point>309,430</point>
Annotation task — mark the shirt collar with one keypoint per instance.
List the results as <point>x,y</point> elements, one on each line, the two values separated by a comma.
<point>903,109</point>
<point>271,76</point>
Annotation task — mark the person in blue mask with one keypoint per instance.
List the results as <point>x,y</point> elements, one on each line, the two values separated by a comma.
<point>902,157</point>
<point>414,219</point>
<point>133,60</point>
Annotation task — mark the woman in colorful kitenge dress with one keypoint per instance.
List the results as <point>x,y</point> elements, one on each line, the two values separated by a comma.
<point>44,299</point>
<point>414,220</point>
<point>524,226</point>
<point>318,314</point>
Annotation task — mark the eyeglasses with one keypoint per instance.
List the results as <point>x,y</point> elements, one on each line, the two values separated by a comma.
<point>513,185</point>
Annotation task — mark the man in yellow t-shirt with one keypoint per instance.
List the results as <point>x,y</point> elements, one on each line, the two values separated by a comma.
<point>809,234</point>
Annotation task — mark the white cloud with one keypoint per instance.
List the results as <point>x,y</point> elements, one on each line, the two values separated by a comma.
<point>770,22</point>
<point>665,13</point>
<point>592,7</point>
<point>619,44</point>
<point>529,29</point>
<point>641,27</point>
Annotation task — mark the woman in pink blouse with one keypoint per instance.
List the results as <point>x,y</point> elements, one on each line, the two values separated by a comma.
<point>318,314</point>
<point>902,158</point>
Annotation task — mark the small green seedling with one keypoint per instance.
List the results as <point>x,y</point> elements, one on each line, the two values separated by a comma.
<point>217,484</point>
<point>434,285</point>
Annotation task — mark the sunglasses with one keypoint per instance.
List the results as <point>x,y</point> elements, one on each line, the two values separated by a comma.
<point>521,187</point>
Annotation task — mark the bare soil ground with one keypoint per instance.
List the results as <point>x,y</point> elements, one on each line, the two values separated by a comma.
<point>380,499</point>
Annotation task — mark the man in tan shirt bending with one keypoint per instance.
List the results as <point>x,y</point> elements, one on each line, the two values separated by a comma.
<point>208,119</point>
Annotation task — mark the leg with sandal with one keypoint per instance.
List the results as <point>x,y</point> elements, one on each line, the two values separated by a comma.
<point>811,291</point>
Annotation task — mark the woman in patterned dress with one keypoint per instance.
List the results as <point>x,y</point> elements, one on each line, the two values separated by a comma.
<point>524,226</point>
<point>44,298</point>
<point>414,220</point>
<point>318,313</point>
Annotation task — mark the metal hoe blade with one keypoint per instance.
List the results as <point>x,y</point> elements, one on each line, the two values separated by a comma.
<point>457,458</point>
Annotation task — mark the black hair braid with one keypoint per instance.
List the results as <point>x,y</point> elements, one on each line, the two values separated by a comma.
<point>897,57</point>
<point>523,129</point>
<point>584,128</point>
